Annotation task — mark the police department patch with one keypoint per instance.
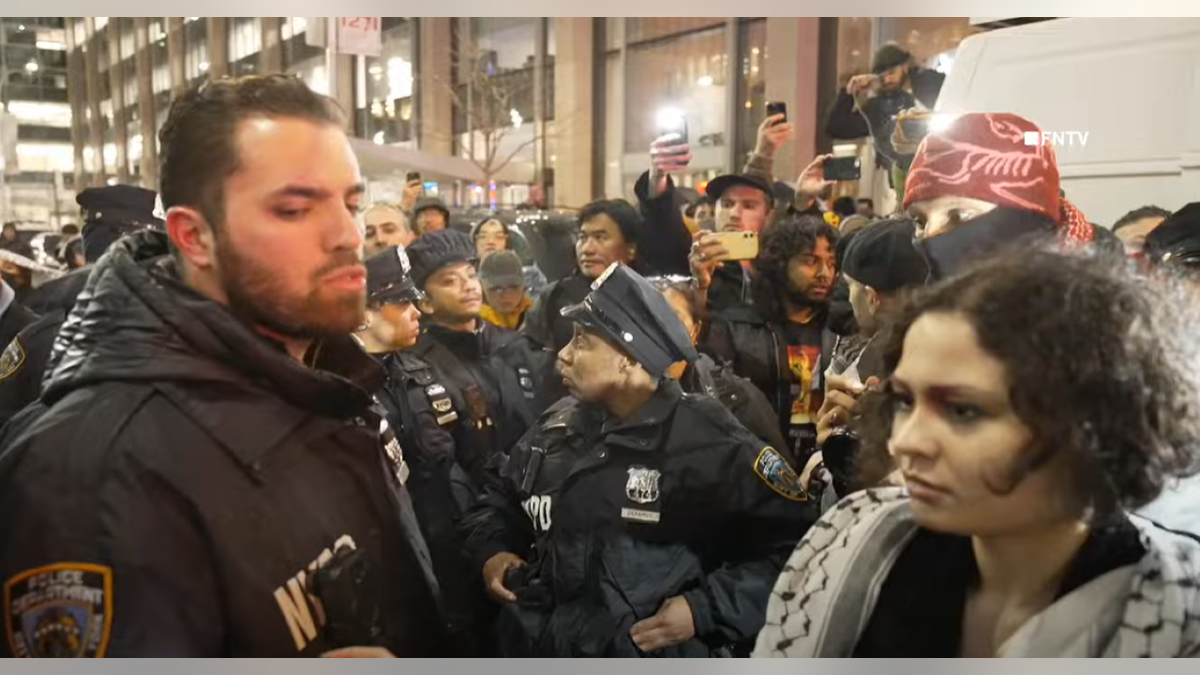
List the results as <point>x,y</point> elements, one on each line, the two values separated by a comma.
<point>779,475</point>
<point>12,359</point>
<point>60,610</point>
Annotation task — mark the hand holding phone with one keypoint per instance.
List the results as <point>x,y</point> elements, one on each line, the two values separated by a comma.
<point>739,245</point>
<point>842,168</point>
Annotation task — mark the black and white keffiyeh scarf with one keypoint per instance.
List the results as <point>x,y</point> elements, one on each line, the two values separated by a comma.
<point>827,592</point>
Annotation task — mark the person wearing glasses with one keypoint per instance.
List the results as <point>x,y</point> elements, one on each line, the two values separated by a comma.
<point>634,519</point>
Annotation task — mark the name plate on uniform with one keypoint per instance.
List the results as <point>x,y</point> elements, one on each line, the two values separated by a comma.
<point>640,516</point>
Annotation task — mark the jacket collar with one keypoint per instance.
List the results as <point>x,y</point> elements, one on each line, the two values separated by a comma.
<point>646,429</point>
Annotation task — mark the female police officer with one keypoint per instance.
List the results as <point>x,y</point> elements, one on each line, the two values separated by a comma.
<point>633,518</point>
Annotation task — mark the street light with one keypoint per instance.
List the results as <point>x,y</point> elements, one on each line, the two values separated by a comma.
<point>32,66</point>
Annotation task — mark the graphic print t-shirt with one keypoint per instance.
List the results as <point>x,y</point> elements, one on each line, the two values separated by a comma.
<point>804,362</point>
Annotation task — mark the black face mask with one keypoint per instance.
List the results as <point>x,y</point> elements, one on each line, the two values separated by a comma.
<point>1001,228</point>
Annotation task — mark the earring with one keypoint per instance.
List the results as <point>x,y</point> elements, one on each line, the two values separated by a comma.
<point>365,325</point>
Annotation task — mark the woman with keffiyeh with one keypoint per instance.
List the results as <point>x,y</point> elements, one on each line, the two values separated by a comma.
<point>1035,400</point>
<point>1072,400</point>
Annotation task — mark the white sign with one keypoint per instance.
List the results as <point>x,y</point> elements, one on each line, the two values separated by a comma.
<point>360,35</point>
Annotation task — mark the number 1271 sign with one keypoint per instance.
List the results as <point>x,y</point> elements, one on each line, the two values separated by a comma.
<point>360,35</point>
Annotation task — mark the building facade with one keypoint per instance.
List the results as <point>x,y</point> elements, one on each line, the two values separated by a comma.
<point>36,175</point>
<point>484,108</point>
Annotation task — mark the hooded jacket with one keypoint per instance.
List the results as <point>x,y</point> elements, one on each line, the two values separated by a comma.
<point>183,479</point>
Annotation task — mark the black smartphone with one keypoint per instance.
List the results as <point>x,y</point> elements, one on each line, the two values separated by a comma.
<point>843,168</point>
<point>777,108</point>
<point>675,124</point>
<point>412,176</point>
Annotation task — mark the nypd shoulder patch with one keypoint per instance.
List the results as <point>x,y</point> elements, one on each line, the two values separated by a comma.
<point>62,610</point>
<point>775,471</point>
<point>12,359</point>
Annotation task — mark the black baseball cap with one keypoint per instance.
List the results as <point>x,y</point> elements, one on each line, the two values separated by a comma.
<point>388,278</point>
<point>717,186</point>
<point>882,256</point>
<point>1176,243</point>
<point>889,56</point>
<point>627,309</point>
<point>435,250</point>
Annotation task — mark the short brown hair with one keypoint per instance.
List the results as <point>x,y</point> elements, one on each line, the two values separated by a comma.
<point>197,146</point>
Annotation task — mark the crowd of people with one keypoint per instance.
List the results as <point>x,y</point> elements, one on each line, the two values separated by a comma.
<point>760,422</point>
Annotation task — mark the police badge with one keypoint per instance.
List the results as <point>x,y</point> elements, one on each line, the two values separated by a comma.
<point>643,485</point>
<point>62,610</point>
<point>12,359</point>
<point>642,488</point>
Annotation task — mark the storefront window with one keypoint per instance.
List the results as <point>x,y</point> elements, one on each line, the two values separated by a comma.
<point>245,42</point>
<point>639,29</point>
<point>933,40</point>
<point>687,74</point>
<point>854,47</point>
<point>195,51</point>
<point>388,114</point>
<point>301,58</point>
<point>752,85</point>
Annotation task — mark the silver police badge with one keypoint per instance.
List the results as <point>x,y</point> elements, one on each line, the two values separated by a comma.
<point>642,487</point>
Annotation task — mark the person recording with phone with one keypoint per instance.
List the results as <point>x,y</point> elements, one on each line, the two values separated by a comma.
<point>778,341</point>
<point>870,103</point>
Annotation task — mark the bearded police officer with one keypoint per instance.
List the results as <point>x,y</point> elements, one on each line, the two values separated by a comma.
<point>634,518</point>
<point>204,474</point>
<point>441,492</point>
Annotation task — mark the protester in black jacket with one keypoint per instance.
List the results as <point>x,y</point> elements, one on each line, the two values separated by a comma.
<point>780,342</point>
<point>717,380</point>
<point>610,230</point>
<point>634,519</point>
<point>206,460</point>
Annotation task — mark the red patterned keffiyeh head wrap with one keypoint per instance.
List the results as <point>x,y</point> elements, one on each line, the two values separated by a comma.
<point>984,156</point>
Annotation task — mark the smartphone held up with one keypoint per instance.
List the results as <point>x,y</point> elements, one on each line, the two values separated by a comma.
<point>843,168</point>
<point>673,123</point>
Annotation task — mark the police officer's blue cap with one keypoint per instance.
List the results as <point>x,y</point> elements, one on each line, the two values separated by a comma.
<point>628,310</point>
<point>388,279</point>
<point>435,250</point>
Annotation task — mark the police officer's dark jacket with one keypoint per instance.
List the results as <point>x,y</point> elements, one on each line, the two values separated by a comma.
<point>482,385</point>
<point>182,480</point>
<point>441,494</point>
<point>24,361</point>
<point>614,518</point>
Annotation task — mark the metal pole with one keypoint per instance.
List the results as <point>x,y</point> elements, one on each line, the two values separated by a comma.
<point>332,61</point>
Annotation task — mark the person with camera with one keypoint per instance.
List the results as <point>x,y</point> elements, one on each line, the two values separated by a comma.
<point>880,265</point>
<point>1071,402</point>
<point>634,519</point>
<point>870,103</point>
<point>204,474</point>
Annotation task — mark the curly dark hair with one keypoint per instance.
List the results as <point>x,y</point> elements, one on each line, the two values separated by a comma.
<point>787,238</point>
<point>1101,362</point>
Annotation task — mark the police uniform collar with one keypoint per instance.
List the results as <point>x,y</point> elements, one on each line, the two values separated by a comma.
<point>646,429</point>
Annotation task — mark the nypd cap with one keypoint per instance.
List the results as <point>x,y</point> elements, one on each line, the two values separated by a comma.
<point>388,278</point>
<point>624,307</point>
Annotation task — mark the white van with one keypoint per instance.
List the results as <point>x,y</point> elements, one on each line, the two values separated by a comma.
<point>1130,87</point>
